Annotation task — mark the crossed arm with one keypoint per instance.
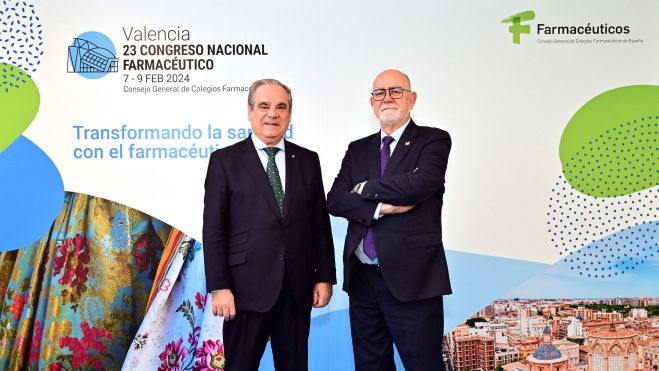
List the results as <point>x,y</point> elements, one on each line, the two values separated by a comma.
<point>417,186</point>
<point>397,193</point>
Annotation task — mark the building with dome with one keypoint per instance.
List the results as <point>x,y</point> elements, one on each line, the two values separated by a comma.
<point>547,357</point>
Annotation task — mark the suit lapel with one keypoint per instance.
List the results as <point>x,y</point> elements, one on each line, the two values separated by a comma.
<point>402,147</point>
<point>292,174</point>
<point>373,157</point>
<point>254,168</point>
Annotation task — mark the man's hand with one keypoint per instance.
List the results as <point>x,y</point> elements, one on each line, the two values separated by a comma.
<point>322,293</point>
<point>387,209</point>
<point>223,304</point>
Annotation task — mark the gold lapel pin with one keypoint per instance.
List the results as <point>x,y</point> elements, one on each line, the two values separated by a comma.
<point>408,143</point>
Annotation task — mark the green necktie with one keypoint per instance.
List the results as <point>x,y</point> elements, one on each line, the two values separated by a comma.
<point>273,176</point>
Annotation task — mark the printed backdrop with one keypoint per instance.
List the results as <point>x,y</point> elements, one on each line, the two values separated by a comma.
<point>553,107</point>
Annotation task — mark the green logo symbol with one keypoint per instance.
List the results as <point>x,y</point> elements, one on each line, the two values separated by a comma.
<point>517,28</point>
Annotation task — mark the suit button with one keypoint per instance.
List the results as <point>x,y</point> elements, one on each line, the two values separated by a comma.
<point>280,258</point>
<point>375,195</point>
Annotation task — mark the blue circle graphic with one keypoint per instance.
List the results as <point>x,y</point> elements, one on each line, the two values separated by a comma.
<point>92,55</point>
<point>33,197</point>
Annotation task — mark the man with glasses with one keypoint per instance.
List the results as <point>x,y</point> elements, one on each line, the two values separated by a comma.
<point>390,188</point>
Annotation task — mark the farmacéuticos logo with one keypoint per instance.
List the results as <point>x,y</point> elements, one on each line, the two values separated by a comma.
<point>516,27</point>
<point>92,55</point>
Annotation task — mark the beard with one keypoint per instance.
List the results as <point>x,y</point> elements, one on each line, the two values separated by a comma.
<point>389,118</point>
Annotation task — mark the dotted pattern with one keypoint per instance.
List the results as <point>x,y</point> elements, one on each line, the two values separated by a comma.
<point>273,177</point>
<point>619,161</point>
<point>619,253</point>
<point>592,232</point>
<point>21,43</point>
<point>12,77</point>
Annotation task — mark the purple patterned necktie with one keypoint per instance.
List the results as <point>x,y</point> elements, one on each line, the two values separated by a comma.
<point>385,154</point>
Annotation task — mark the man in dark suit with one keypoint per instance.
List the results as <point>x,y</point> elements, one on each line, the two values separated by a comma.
<point>390,188</point>
<point>268,248</point>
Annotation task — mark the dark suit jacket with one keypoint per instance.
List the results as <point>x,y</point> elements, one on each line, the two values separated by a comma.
<point>248,247</point>
<point>409,245</point>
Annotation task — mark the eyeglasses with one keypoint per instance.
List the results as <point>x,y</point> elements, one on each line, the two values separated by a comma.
<point>394,93</point>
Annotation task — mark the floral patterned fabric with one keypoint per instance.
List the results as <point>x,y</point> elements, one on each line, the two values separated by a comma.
<point>179,331</point>
<point>74,299</point>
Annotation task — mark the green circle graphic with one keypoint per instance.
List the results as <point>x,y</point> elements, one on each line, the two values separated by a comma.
<point>609,147</point>
<point>19,103</point>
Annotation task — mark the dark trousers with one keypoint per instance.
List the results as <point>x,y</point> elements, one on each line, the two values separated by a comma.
<point>287,326</point>
<point>378,320</point>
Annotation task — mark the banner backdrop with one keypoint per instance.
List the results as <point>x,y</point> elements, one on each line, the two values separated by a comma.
<point>553,109</point>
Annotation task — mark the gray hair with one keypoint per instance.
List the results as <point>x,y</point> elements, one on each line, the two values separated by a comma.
<point>256,84</point>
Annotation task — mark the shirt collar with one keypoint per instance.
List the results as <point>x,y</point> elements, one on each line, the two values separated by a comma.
<point>259,145</point>
<point>396,134</point>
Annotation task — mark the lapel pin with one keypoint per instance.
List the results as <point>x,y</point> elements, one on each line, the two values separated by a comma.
<point>408,143</point>
<point>292,156</point>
